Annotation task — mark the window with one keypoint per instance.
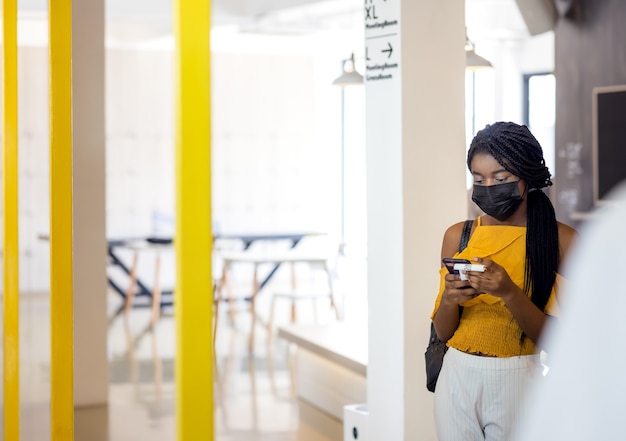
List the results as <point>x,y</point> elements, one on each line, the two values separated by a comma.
<point>479,104</point>
<point>539,112</point>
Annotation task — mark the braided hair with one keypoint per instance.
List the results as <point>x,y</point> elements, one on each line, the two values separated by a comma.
<point>519,152</point>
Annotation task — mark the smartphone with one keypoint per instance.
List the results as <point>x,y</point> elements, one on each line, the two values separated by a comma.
<point>449,262</point>
<point>456,265</point>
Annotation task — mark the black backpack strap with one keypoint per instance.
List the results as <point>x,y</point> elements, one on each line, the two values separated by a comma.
<point>465,235</point>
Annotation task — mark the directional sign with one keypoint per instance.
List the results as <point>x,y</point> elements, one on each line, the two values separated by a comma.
<point>382,39</point>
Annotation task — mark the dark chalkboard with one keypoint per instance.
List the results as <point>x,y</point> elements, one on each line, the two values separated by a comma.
<point>609,139</point>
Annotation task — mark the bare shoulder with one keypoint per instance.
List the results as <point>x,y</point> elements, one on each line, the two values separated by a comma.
<point>567,236</point>
<point>451,239</point>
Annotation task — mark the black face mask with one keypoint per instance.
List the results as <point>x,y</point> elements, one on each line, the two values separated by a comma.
<point>498,201</point>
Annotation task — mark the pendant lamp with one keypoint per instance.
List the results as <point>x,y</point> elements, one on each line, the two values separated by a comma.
<point>473,61</point>
<point>349,76</point>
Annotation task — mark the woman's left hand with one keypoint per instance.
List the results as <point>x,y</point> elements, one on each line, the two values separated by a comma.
<point>494,280</point>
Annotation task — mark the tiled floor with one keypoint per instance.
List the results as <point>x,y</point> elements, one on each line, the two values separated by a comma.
<point>254,395</point>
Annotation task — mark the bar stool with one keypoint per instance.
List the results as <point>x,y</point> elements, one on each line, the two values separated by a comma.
<point>297,294</point>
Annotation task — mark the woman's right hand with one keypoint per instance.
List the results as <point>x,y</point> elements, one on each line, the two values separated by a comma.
<point>456,290</point>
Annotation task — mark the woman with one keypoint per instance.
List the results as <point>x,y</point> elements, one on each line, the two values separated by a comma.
<point>493,321</point>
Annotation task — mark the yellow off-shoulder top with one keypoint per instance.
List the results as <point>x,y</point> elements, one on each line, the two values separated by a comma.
<point>487,326</point>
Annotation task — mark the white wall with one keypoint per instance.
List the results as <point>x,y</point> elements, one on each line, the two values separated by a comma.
<point>273,170</point>
<point>139,140</point>
<point>511,59</point>
<point>276,145</point>
<point>33,145</point>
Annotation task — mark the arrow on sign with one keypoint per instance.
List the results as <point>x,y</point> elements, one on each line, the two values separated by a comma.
<point>390,50</point>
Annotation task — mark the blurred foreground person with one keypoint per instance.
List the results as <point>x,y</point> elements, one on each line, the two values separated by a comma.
<point>583,395</point>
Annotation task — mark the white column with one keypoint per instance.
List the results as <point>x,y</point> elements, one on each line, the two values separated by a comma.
<point>90,285</point>
<point>416,189</point>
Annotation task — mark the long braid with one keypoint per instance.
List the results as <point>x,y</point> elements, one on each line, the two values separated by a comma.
<point>542,248</point>
<point>519,152</point>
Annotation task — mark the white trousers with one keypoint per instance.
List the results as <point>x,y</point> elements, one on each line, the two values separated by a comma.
<point>480,398</point>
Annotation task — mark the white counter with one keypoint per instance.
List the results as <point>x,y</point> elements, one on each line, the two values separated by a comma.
<point>331,365</point>
<point>340,343</point>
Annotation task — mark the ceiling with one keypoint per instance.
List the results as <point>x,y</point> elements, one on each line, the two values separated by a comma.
<point>141,19</point>
<point>145,22</point>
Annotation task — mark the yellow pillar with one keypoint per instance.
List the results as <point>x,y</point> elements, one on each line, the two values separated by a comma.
<point>193,240</point>
<point>10,235</point>
<point>61,284</point>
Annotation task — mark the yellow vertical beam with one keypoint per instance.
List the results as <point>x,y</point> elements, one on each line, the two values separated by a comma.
<point>61,265</point>
<point>10,234</point>
<point>194,354</point>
